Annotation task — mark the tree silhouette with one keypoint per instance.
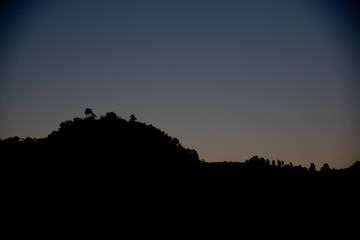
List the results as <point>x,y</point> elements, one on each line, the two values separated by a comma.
<point>132,118</point>
<point>325,168</point>
<point>65,125</point>
<point>176,141</point>
<point>312,168</point>
<point>89,113</point>
<point>110,116</point>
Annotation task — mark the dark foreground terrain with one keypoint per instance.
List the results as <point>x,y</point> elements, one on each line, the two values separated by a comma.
<point>114,170</point>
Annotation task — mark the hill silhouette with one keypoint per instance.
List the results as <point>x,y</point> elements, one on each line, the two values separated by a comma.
<point>108,152</point>
<point>93,166</point>
<point>99,148</point>
<point>111,144</point>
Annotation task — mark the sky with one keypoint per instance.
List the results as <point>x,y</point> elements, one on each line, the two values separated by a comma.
<point>230,79</point>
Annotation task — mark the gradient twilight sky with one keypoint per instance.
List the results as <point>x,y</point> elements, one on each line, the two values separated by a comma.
<point>231,79</point>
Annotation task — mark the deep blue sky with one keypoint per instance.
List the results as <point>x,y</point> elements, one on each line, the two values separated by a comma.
<point>231,79</point>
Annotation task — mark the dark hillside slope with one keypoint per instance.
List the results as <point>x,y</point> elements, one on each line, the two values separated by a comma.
<point>102,148</point>
<point>115,139</point>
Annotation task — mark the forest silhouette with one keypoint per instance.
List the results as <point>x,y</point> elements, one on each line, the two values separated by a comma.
<point>128,164</point>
